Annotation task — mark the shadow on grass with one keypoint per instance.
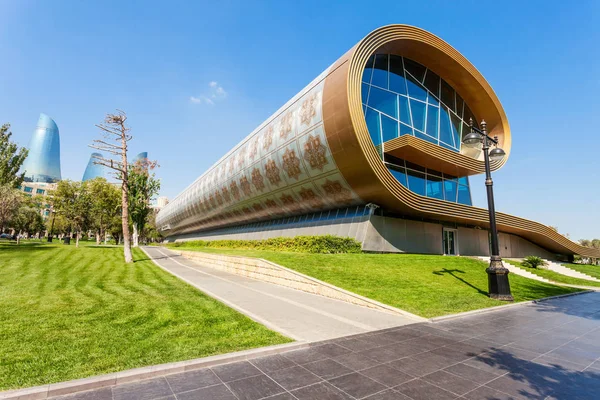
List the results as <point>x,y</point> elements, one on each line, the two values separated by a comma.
<point>453,272</point>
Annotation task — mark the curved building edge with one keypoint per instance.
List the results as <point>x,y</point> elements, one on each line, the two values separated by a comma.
<point>343,167</point>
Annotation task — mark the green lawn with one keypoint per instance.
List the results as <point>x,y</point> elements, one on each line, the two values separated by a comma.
<point>555,276</point>
<point>426,285</point>
<point>68,313</point>
<point>591,270</point>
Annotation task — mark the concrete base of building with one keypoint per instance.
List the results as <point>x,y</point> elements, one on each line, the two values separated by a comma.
<point>387,235</point>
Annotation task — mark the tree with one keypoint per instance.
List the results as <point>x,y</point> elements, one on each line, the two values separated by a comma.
<point>106,204</point>
<point>72,201</point>
<point>10,201</point>
<point>115,128</point>
<point>27,220</point>
<point>150,230</point>
<point>142,187</point>
<point>11,159</point>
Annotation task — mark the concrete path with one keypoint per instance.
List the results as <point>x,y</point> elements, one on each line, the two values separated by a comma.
<point>548,350</point>
<point>296,314</point>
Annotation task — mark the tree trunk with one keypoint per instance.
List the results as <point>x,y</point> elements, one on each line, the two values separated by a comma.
<point>97,238</point>
<point>105,237</point>
<point>135,235</point>
<point>77,239</point>
<point>125,203</point>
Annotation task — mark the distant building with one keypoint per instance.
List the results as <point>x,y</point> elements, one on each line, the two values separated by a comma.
<point>43,162</point>
<point>161,202</point>
<point>93,170</point>
<point>38,189</point>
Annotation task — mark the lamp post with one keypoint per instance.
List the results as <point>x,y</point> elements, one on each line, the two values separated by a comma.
<point>498,285</point>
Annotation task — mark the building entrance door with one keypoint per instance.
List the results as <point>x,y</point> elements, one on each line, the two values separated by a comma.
<point>450,243</point>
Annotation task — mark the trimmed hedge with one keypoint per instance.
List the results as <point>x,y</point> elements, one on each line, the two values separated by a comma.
<point>326,244</point>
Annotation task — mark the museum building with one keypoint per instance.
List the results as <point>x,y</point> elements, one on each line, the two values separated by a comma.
<point>371,149</point>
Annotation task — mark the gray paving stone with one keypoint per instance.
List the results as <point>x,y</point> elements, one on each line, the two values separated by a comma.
<point>144,390</point>
<point>191,380</point>
<point>327,369</point>
<point>450,382</point>
<point>235,371</point>
<point>387,375</point>
<point>419,389</point>
<point>357,385</point>
<point>488,393</point>
<point>388,395</point>
<point>473,374</point>
<point>305,356</point>
<point>255,388</point>
<point>356,361</point>
<point>217,392</point>
<point>294,377</point>
<point>98,394</point>
<point>320,391</point>
<point>272,363</point>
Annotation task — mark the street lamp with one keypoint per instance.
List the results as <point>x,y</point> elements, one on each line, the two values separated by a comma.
<point>498,285</point>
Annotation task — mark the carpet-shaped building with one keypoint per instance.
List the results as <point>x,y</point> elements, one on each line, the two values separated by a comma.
<point>370,149</point>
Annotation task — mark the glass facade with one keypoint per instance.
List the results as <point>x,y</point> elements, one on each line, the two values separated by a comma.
<point>93,170</point>
<point>43,162</point>
<point>428,182</point>
<point>402,97</point>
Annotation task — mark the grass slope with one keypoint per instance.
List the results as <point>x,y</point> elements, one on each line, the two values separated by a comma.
<point>426,285</point>
<point>591,270</point>
<point>69,313</point>
<point>555,276</point>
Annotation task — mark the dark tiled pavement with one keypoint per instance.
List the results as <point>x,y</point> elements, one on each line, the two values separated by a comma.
<point>549,350</point>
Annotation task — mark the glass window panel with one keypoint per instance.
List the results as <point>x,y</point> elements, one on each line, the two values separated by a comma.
<point>434,172</point>
<point>368,69</point>
<point>423,136</point>
<point>468,115</point>
<point>455,129</point>
<point>418,114</point>
<point>466,129</point>
<point>416,69</point>
<point>380,73</point>
<point>445,130</point>
<point>450,188</point>
<point>464,195</point>
<point>448,95</point>
<point>399,174</point>
<point>459,105</point>
<point>416,182</point>
<point>394,160</point>
<point>404,114</point>
<point>447,146</point>
<point>389,127</point>
<point>405,130</point>
<point>364,92</point>
<point>448,176</point>
<point>372,118</point>
<point>432,100</point>
<point>414,166</point>
<point>432,121</point>
<point>432,83</point>
<point>397,81</point>
<point>415,89</point>
<point>434,187</point>
<point>463,180</point>
<point>383,101</point>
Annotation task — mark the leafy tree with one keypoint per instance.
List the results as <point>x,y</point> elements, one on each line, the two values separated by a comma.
<point>105,206</point>
<point>594,243</point>
<point>27,220</point>
<point>11,159</point>
<point>10,202</point>
<point>143,185</point>
<point>72,200</point>
<point>150,230</point>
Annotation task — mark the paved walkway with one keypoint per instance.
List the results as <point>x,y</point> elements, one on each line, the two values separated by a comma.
<point>296,314</point>
<point>549,350</point>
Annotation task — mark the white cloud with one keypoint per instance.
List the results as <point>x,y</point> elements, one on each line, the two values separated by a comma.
<point>215,92</point>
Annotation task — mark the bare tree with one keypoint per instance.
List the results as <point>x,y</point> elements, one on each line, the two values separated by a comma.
<point>115,129</point>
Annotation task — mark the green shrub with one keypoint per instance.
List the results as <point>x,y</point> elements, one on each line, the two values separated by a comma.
<point>533,262</point>
<point>326,244</point>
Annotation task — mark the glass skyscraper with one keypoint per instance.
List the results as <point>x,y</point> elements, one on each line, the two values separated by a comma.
<point>93,170</point>
<point>43,162</point>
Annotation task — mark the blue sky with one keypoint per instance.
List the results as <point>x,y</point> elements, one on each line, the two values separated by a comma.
<point>77,60</point>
